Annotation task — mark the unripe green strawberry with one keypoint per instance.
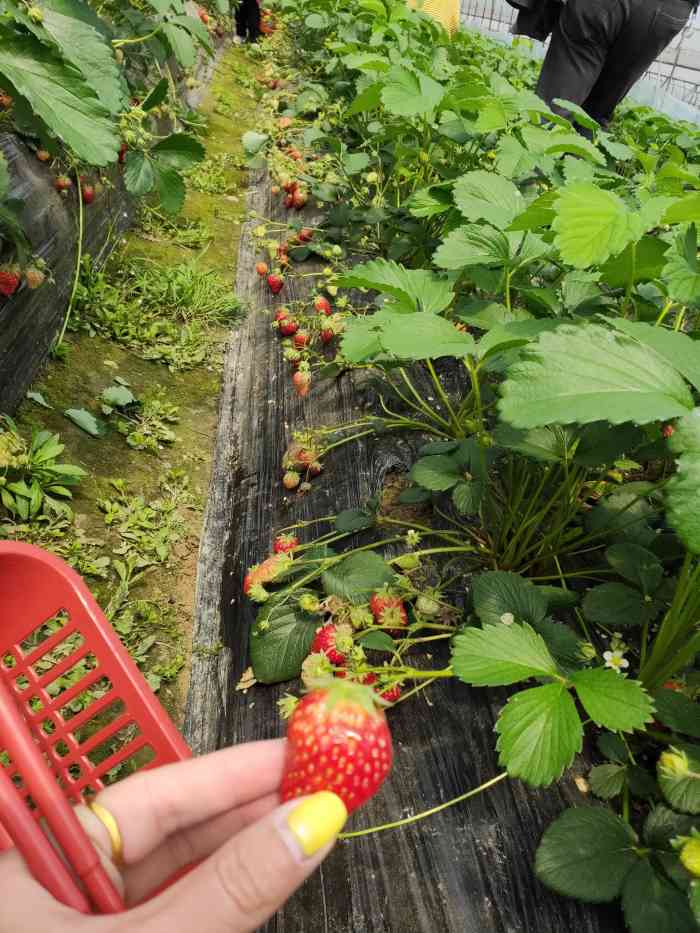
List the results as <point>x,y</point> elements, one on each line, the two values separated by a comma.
<point>338,741</point>
<point>690,856</point>
<point>309,603</point>
<point>427,606</point>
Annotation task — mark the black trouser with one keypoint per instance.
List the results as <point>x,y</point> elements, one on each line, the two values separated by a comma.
<point>599,49</point>
<point>248,20</point>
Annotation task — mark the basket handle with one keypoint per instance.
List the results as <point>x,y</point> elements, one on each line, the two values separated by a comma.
<point>40,856</point>
<point>58,813</point>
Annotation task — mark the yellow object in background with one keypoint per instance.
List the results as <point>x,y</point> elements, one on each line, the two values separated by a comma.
<point>446,12</point>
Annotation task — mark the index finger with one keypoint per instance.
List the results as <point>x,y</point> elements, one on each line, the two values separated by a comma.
<point>152,805</point>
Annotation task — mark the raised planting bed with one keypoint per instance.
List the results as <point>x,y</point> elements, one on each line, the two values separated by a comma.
<point>468,868</point>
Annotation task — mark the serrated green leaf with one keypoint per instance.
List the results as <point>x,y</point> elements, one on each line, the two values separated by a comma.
<point>677,712</point>
<point>653,905</point>
<point>539,732</point>
<point>171,190</point>
<point>355,162</point>
<point>369,99</point>
<point>636,564</point>
<point>496,592</point>
<point>540,213</point>
<point>39,399</point>
<point>638,262</point>
<point>156,95</point>
<point>472,245</point>
<point>88,51</point>
<point>586,853</point>
<point>281,638</point>
<point>575,144</point>
<point>679,350</point>
<point>179,150</point>
<point>426,336</point>
<point>181,44</point>
<point>662,825</point>
<point>513,160</point>
<point>139,173</point>
<point>574,373</point>
<point>468,496</point>
<point>436,473</point>
<point>351,520</point>
<point>499,655</point>
<point>617,606</point>
<point>487,196</point>
<point>60,97</point>
<point>412,289</point>
<point>684,210</point>
<point>602,443</point>
<point>591,225</point>
<point>377,641</point>
<point>429,202</point>
<point>612,700</point>
<point>681,272</point>
<point>357,577</point>
<point>410,93</point>
<point>682,500</point>
<point>607,781</point>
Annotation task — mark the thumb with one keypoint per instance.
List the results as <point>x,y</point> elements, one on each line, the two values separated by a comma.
<point>242,884</point>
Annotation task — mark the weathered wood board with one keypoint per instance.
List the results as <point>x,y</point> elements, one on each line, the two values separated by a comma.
<point>467,869</point>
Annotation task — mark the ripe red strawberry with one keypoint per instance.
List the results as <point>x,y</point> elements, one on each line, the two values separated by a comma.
<point>668,430</point>
<point>88,193</point>
<point>290,186</point>
<point>388,610</point>
<point>392,694</point>
<point>291,479</point>
<point>306,234</point>
<point>302,382</point>
<point>34,277</point>
<point>261,268</point>
<point>368,679</point>
<point>275,283</point>
<point>9,280</point>
<point>5,101</point>
<point>284,123</point>
<point>323,305</point>
<point>337,740</point>
<point>267,571</point>
<point>335,641</point>
<point>204,16</point>
<point>284,543</point>
<point>42,155</point>
<point>63,183</point>
<point>289,201</point>
<point>673,685</point>
<point>301,340</point>
<point>327,334</point>
<point>123,149</point>
<point>282,250</point>
<point>288,327</point>
<point>275,189</point>
<point>314,468</point>
<point>281,314</point>
<point>299,199</point>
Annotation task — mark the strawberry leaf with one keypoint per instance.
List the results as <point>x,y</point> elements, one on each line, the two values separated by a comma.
<point>179,151</point>
<point>472,245</point>
<point>486,196</point>
<point>139,173</point>
<point>60,97</point>
<point>652,905</point>
<point>591,225</point>
<point>617,605</point>
<point>499,655</point>
<point>586,853</point>
<point>410,93</point>
<point>427,337</point>
<point>498,591</point>
<point>411,289</point>
<point>357,577</point>
<point>281,638</point>
<point>607,781</point>
<point>539,732</point>
<point>612,700</point>
<point>437,473</point>
<point>574,373</point>
<point>171,189</point>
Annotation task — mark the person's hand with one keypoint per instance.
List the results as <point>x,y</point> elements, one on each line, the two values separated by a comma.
<point>221,810</point>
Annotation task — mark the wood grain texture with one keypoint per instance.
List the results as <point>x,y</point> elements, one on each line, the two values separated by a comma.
<point>468,869</point>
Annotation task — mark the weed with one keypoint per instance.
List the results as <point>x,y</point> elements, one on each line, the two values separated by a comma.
<point>213,175</point>
<point>162,313</point>
<point>189,233</point>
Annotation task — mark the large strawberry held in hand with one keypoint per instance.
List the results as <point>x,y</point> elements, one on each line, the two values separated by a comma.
<point>337,740</point>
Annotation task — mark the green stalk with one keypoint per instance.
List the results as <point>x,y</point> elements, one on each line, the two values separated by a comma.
<point>459,431</point>
<point>420,816</point>
<point>78,259</point>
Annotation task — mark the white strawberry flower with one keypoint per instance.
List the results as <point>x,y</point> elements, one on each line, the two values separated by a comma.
<point>507,618</point>
<point>615,660</point>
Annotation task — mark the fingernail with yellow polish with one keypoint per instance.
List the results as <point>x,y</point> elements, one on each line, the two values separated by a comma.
<point>317,821</point>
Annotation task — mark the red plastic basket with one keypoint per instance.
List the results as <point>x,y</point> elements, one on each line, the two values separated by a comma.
<point>74,711</point>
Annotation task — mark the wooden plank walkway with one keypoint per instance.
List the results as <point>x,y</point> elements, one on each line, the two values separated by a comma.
<point>466,870</point>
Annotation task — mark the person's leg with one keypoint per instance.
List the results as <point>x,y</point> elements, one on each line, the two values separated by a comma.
<point>240,20</point>
<point>649,29</point>
<point>253,19</point>
<point>577,52</point>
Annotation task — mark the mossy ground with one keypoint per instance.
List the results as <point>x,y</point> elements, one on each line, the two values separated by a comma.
<point>93,362</point>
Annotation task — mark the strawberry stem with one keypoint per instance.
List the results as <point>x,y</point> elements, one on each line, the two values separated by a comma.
<point>425,813</point>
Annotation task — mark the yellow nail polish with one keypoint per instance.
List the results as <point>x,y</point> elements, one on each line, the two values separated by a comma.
<point>317,821</point>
